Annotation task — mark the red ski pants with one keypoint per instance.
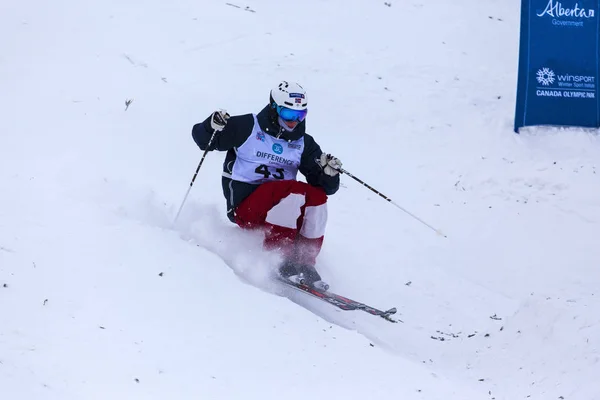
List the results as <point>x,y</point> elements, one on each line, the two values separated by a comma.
<point>293,215</point>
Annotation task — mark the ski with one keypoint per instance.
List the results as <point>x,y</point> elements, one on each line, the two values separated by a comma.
<point>341,302</point>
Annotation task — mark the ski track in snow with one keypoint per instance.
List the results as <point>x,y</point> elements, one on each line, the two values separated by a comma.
<point>242,252</point>
<point>205,226</point>
<point>446,326</point>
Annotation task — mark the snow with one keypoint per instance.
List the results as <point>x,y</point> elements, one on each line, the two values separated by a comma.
<point>102,297</point>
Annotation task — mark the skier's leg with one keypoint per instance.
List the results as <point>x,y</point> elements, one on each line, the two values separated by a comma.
<point>312,225</point>
<point>274,206</point>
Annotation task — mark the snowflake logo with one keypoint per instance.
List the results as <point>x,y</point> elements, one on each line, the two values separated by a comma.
<point>545,76</point>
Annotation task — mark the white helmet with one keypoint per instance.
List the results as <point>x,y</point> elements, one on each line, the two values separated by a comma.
<point>289,95</point>
<point>288,105</point>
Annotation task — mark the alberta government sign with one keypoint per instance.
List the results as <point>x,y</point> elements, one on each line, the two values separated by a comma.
<point>558,64</point>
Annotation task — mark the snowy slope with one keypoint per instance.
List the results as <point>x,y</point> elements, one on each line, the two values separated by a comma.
<point>101,297</point>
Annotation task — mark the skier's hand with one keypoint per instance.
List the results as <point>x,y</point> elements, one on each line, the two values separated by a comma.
<point>331,165</point>
<point>218,120</point>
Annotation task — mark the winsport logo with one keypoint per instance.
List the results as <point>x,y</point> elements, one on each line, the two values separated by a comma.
<point>564,85</point>
<point>545,76</point>
<point>548,77</point>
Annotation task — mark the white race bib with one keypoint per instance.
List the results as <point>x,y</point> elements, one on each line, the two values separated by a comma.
<point>263,158</point>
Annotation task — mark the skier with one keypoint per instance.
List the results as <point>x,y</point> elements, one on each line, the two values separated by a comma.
<point>264,154</point>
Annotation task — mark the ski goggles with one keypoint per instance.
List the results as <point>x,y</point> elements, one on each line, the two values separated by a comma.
<point>287,114</point>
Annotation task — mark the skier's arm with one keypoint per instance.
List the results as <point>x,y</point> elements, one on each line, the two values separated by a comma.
<point>234,134</point>
<point>310,168</point>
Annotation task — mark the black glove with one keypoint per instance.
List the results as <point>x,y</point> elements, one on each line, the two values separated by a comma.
<point>218,120</point>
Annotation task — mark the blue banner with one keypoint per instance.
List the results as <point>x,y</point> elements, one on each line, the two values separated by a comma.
<point>558,64</point>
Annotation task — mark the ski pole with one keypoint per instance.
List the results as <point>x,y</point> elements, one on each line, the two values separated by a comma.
<point>195,175</point>
<point>343,171</point>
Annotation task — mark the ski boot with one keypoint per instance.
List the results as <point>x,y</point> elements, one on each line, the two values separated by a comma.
<point>287,269</point>
<point>303,275</point>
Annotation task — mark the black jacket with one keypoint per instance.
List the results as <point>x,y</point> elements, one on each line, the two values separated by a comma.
<point>236,132</point>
